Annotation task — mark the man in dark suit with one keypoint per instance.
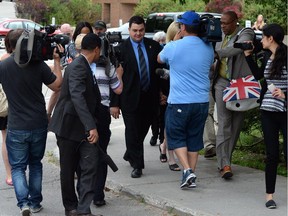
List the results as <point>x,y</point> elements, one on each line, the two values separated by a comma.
<point>140,96</point>
<point>74,123</point>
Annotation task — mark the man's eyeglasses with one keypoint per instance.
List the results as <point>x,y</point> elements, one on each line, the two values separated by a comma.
<point>227,23</point>
<point>179,25</point>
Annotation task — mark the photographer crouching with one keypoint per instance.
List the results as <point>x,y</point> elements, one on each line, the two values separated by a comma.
<point>27,122</point>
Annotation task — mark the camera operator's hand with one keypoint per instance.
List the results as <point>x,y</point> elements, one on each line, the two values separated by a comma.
<point>58,52</point>
<point>178,36</point>
<point>250,51</point>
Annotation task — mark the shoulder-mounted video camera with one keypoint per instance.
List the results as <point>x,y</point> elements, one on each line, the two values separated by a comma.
<point>34,45</point>
<point>110,48</point>
<point>210,28</point>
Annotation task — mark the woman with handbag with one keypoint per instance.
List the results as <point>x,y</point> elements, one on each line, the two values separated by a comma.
<point>273,101</point>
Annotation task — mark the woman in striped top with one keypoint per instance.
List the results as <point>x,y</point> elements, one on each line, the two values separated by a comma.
<point>273,100</point>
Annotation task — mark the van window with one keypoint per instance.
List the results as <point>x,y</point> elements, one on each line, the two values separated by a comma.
<point>158,23</point>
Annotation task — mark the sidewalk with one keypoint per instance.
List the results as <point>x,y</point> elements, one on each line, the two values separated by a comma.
<point>244,195</point>
<point>158,186</point>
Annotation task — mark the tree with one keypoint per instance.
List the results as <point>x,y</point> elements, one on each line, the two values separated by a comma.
<point>182,2</point>
<point>31,9</point>
<point>64,11</point>
<point>218,6</point>
<point>150,6</point>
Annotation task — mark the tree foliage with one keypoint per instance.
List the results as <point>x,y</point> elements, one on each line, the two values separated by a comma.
<point>182,2</point>
<point>272,13</point>
<point>219,6</point>
<point>64,11</point>
<point>31,9</point>
<point>150,6</point>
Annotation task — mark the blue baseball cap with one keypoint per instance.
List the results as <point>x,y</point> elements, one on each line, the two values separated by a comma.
<point>189,18</point>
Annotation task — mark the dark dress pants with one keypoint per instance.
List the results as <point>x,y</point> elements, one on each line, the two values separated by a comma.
<point>272,124</point>
<point>84,155</point>
<point>137,125</point>
<point>104,137</point>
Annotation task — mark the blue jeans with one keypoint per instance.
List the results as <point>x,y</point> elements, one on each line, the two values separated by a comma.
<point>27,147</point>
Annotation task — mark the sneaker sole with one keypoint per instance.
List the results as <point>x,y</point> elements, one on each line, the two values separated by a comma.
<point>36,210</point>
<point>192,185</point>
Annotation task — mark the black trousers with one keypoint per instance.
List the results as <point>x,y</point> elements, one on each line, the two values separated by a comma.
<point>136,128</point>
<point>158,123</point>
<point>83,156</point>
<point>104,132</point>
<point>272,124</point>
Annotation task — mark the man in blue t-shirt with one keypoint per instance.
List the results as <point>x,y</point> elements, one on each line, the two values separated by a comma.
<point>190,60</point>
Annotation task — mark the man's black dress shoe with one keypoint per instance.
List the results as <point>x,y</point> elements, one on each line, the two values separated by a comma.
<point>99,203</point>
<point>136,173</point>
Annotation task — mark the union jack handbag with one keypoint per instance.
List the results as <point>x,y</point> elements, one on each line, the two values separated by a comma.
<point>242,94</point>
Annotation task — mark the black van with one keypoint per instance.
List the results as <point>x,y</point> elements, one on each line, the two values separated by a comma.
<point>160,21</point>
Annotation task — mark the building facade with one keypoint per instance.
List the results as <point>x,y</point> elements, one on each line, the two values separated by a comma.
<point>115,12</point>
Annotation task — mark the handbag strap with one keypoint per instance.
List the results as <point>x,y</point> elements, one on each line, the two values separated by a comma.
<point>30,35</point>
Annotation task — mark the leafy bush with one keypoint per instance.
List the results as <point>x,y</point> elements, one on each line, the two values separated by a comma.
<point>150,6</point>
<point>64,11</point>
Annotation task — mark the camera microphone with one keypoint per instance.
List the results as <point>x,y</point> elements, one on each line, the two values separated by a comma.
<point>162,72</point>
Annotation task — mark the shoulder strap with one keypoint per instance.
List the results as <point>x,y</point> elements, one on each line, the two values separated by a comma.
<point>242,30</point>
<point>25,34</point>
<point>236,38</point>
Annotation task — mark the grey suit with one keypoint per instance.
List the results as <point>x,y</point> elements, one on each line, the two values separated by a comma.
<point>229,122</point>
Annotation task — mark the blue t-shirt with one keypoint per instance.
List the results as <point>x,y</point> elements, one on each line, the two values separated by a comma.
<point>190,60</point>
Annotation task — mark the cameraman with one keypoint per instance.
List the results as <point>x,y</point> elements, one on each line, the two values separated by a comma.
<point>190,60</point>
<point>27,122</point>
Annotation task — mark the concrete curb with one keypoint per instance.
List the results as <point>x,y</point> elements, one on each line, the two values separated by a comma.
<point>153,200</point>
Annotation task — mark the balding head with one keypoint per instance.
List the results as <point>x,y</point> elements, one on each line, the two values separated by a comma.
<point>66,29</point>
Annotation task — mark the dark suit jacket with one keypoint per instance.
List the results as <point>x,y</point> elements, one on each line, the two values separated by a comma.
<point>128,101</point>
<point>76,110</point>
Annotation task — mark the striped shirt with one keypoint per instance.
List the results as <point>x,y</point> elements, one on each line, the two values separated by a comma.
<point>105,82</point>
<point>270,103</point>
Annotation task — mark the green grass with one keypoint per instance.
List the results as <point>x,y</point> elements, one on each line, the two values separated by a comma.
<point>254,160</point>
<point>250,152</point>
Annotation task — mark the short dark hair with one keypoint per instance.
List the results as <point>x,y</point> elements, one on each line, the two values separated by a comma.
<point>137,20</point>
<point>13,38</point>
<point>7,42</point>
<point>232,14</point>
<point>192,29</point>
<point>90,41</point>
